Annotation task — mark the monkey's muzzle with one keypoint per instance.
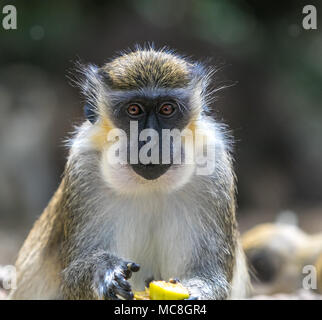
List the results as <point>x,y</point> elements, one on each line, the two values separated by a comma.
<point>150,171</point>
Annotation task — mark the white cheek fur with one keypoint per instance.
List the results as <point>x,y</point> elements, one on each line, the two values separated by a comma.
<point>124,180</point>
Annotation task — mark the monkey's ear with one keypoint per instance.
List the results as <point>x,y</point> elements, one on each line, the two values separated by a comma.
<point>90,79</point>
<point>90,113</point>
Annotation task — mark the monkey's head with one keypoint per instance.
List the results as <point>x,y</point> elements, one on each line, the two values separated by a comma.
<point>135,105</point>
<point>277,253</point>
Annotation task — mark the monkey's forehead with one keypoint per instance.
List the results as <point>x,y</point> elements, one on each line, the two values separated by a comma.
<point>148,68</point>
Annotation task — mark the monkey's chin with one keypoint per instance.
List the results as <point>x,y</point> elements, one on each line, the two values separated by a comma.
<point>124,180</point>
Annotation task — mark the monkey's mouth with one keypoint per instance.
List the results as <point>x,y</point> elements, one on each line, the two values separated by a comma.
<point>151,171</point>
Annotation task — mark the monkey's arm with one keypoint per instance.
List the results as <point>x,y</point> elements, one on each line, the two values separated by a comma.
<point>99,275</point>
<point>211,273</point>
<point>203,288</point>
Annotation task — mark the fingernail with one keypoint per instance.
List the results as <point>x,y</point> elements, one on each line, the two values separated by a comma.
<point>133,267</point>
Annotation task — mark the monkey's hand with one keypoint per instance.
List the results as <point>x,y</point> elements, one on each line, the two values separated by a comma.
<point>201,288</point>
<point>100,275</point>
<point>111,281</point>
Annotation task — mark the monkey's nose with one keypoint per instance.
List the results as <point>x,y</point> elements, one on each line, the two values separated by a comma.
<point>150,171</point>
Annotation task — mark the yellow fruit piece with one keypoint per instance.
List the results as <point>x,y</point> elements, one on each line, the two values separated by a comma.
<point>142,295</point>
<point>162,290</point>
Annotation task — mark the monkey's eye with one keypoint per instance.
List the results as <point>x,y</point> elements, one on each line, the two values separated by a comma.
<point>167,109</point>
<point>134,109</point>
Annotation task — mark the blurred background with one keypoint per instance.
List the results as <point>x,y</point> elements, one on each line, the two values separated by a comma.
<point>274,108</point>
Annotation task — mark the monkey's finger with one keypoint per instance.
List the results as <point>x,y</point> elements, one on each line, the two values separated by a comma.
<point>174,280</point>
<point>109,294</point>
<point>134,267</point>
<point>127,273</point>
<point>122,283</point>
<point>126,294</point>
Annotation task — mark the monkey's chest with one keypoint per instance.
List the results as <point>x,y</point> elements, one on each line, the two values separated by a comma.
<point>160,244</point>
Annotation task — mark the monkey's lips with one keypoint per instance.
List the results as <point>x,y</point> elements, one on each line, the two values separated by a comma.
<point>150,171</point>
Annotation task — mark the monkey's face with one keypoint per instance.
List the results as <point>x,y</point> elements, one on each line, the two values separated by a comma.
<point>146,117</point>
<point>144,111</point>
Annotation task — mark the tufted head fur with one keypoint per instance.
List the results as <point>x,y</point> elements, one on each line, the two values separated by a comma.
<point>144,68</point>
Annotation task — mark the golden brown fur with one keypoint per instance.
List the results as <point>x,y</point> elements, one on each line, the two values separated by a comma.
<point>147,68</point>
<point>277,254</point>
<point>39,255</point>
